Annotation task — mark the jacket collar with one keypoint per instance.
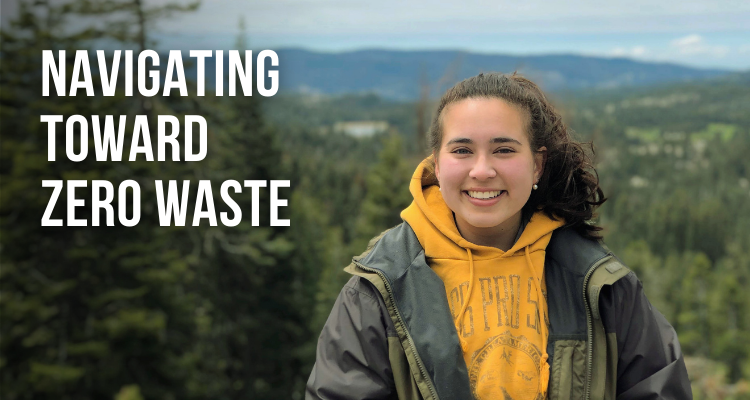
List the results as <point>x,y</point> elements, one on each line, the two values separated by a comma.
<point>416,299</point>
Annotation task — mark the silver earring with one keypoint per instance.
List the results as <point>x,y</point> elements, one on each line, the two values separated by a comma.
<point>535,187</point>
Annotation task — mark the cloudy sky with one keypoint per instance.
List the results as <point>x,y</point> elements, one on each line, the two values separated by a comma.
<point>698,33</point>
<point>708,34</point>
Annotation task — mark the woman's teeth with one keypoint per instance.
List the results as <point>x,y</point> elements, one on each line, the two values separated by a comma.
<point>484,195</point>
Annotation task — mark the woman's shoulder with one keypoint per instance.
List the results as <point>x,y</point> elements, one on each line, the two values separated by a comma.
<point>392,250</point>
<point>575,253</point>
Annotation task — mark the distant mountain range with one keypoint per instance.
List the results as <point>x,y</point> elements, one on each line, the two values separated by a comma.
<point>400,75</point>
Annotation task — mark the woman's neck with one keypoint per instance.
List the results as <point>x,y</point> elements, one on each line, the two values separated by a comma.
<point>502,236</point>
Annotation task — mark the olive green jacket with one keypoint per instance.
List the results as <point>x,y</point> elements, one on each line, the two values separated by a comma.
<point>390,334</point>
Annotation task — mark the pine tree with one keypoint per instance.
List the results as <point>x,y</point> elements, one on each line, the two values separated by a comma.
<point>387,191</point>
<point>728,316</point>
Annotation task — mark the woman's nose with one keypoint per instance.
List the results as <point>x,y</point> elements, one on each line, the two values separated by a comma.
<point>482,169</point>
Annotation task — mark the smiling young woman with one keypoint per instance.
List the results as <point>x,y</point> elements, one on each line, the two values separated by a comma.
<point>496,285</point>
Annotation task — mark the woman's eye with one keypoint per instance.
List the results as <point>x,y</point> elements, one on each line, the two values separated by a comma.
<point>461,150</point>
<point>505,150</point>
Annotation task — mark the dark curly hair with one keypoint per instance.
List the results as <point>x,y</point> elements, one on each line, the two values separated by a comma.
<point>569,185</point>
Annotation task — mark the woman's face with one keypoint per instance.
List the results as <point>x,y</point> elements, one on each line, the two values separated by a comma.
<point>485,166</point>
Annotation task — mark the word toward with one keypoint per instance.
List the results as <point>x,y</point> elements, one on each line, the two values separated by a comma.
<point>109,147</point>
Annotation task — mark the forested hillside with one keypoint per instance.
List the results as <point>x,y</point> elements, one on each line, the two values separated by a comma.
<point>674,163</point>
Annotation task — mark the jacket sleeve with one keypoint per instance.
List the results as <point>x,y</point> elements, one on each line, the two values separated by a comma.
<point>352,354</point>
<point>650,363</point>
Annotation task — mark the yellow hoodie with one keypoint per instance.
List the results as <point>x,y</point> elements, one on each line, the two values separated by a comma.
<point>496,297</point>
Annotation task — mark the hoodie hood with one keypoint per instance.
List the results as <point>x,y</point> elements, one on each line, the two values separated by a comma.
<point>435,227</point>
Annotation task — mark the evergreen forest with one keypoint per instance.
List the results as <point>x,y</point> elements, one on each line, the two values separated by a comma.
<point>215,312</point>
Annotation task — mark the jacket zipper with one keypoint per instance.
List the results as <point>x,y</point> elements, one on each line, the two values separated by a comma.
<point>589,325</point>
<point>422,370</point>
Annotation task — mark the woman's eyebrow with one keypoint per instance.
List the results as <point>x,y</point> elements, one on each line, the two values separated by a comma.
<point>460,140</point>
<point>504,140</point>
<point>500,139</point>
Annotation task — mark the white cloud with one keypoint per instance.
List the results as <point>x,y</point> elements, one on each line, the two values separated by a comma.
<point>639,51</point>
<point>633,52</point>
<point>688,41</point>
<point>695,45</point>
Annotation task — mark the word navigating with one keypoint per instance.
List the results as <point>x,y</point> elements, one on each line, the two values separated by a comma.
<point>148,73</point>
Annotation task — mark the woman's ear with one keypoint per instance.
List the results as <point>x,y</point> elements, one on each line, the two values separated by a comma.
<point>540,159</point>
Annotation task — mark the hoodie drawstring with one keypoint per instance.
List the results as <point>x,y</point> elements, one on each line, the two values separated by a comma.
<point>460,320</point>
<point>544,367</point>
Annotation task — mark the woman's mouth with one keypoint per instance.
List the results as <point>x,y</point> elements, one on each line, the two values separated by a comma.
<point>484,195</point>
